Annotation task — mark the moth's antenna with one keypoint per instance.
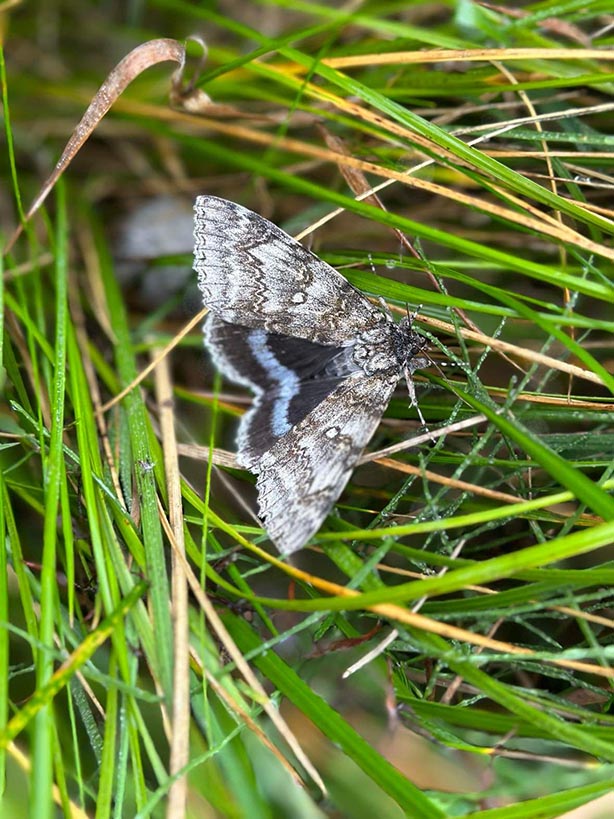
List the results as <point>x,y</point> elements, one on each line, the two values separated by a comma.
<point>411,317</point>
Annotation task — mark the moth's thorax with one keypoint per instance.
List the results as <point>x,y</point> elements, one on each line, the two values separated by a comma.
<point>388,348</point>
<point>410,346</point>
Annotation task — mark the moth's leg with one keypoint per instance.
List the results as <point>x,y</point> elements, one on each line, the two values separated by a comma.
<point>385,307</point>
<point>412,394</point>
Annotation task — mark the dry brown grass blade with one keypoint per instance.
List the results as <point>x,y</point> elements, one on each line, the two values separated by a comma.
<point>220,457</point>
<point>133,64</point>
<point>446,55</point>
<point>474,489</point>
<point>514,350</point>
<point>180,718</point>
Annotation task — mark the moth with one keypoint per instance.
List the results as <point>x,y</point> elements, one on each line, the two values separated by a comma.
<point>321,360</point>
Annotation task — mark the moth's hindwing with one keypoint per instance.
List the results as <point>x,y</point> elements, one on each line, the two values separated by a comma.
<point>252,273</point>
<point>302,475</point>
<point>288,376</point>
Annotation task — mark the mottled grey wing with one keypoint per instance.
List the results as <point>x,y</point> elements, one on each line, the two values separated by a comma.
<point>302,475</point>
<point>252,273</point>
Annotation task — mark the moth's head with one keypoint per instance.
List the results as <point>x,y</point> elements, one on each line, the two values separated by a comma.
<point>411,346</point>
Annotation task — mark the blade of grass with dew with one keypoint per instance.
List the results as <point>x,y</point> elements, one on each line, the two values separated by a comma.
<point>135,418</point>
<point>44,735</point>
